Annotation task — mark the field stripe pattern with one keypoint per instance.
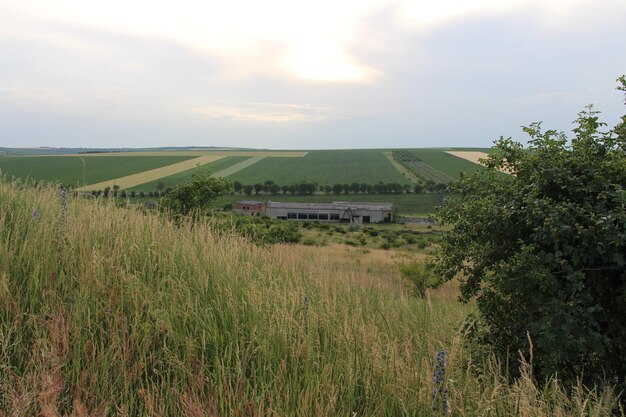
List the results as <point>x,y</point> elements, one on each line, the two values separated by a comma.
<point>202,159</point>
<point>153,174</point>
<point>238,167</point>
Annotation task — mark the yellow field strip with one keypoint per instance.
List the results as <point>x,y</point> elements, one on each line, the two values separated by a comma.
<point>471,156</point>
<point>221,154</point>
<point>238,167</point>
<point>474,157</point>
<point>203,158</point>
<point>153,174</point>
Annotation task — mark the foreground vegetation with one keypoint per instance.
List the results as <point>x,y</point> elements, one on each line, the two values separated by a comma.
<point>543,250</point>
<point>110,311</point>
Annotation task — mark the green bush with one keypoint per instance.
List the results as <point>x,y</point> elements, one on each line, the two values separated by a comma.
<point>418,277</point>
<point>195,194</point>
<point>544,250</point>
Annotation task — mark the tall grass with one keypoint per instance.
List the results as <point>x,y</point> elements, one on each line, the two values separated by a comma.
<point>115,312</point>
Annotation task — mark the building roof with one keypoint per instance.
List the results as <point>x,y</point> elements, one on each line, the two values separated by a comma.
<point>335,205</point>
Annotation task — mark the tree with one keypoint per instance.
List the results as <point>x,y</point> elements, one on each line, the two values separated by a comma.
<point>195,194</point>
<point>247,189</point>
<point>257,188</point>
<point>160,186</point>
<point>273,188</point>
<point>543,250</point>
<point>237,186</point>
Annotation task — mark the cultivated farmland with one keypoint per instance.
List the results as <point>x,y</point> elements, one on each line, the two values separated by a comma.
<point>202,158</point>
<point>325,168</point>
<point>472,156</point>
<point>173,180</point>
<point>420,168</point>
<point>444,162</point>
<point>83,169</point>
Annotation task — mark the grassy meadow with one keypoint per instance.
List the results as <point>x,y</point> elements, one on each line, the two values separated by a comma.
<point>112,311</point>
<point>325,168</point>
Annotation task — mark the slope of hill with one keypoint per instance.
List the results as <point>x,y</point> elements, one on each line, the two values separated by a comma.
<point>105,311</point>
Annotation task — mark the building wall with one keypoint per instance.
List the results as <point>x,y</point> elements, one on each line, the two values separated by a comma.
<point>249,209</point>
<point>331,215</point>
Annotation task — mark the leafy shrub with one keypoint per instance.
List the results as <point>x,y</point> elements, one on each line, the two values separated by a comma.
<point>544,250</point>
<point>196,193</point>
<point>309,241</point>
<point>418,277</point>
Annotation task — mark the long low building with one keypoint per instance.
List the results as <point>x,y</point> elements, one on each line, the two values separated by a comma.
<point>338,211</point>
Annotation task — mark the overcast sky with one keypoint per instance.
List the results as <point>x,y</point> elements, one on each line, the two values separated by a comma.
<point>303,75</point>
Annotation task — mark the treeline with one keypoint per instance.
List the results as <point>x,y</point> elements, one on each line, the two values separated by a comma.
<point>116,192</point>
<point>300,188</point>
<point>308,188</point>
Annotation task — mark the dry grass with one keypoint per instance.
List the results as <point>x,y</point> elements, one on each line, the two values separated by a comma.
<point>471,156</point>
<point>474,157</point>
<point>116,312</point>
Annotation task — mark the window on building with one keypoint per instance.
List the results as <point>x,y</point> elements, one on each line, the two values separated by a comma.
<point>313,216</point>
<point>292,215</point>
<point>302,216</point>
<point>323,216</point>
<point>334,216</point>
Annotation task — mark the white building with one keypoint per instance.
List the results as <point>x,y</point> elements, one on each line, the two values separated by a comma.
<point>338,211</point>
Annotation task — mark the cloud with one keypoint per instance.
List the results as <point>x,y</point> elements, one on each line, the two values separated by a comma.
<point>320,74</point>
<point>265,112</point>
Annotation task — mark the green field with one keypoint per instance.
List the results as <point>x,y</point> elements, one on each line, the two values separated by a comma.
<point>444,162</point>
<point>69,170</point>
<point>325,168</point>
<point>408,204</point>
<point>176,179</point>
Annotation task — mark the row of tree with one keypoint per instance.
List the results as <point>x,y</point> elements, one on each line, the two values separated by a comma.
<point>116,192</point>
<point>300,188</point>
<point>308,188</point>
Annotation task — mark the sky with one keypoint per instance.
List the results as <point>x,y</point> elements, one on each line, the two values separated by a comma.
<point>289,74</point>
